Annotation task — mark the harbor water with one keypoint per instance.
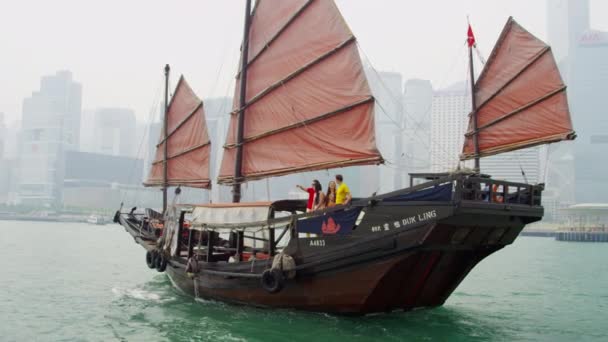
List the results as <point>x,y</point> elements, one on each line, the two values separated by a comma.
<point>79,282</point>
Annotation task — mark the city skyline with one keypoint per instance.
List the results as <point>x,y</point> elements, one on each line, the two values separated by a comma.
<point>118,72</point>
<point>419,125</point>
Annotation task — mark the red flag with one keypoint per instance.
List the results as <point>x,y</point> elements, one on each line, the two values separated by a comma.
<point>470,37</point>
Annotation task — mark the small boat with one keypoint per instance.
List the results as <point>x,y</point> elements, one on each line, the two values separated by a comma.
<point>96,219</point>
<point>303,103</point>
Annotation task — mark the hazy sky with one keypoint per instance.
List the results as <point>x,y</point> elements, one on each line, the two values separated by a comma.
<point>117,48</point>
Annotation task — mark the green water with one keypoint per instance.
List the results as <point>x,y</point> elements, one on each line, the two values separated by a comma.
<point>78,282</point>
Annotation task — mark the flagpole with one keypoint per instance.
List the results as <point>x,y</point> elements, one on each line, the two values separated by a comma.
<point>471,43</point>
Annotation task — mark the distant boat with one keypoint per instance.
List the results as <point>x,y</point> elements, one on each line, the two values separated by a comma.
<point>303,103</point>
<point>95,219</point>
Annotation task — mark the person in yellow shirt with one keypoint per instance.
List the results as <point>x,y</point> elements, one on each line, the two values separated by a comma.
<point>343,195</point>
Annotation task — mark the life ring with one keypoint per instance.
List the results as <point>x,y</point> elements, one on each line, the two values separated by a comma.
<point>151,259</point>
<point>273,280</point>
<point>495,197</point>
<point>161,263</point>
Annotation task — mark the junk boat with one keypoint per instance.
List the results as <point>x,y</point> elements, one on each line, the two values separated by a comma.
<point>300,72</point>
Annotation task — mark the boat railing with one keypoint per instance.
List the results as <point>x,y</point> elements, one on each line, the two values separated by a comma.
<point>498,191</point>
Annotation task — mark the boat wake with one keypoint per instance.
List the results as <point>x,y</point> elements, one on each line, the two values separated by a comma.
<point>139,294</point>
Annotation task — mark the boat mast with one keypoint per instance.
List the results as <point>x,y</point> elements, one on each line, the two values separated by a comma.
<point>236,188</point>
<point>165,134</point>
<point>474,108</point>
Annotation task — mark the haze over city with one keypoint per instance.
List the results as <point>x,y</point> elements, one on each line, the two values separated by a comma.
<point>91,76</point>
<point>117,49</point>
<point>327,170</point>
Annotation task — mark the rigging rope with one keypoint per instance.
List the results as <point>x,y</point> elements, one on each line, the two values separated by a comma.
<point>441,153</point>
<point>153,110</point>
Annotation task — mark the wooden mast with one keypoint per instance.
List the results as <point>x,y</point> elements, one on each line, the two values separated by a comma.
<point>236,189</point>
<point>165,134</point>
<point>474,108</point>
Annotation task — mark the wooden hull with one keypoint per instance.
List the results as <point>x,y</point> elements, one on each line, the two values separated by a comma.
<point>399,268</point>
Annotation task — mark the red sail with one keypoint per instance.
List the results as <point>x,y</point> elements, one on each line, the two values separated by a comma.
<point>308,103</point>
<point>188,142</point>
<point>520,96</point>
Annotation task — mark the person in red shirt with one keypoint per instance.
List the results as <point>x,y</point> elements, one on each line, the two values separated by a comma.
<point>313,194</point>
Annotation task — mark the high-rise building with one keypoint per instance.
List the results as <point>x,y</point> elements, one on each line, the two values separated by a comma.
<point>449,121</point>
<point>114,132</point>
<point>3,137</point>
<point>588,102</point>
<point>4,174</point>
<point>567,20</point>
<point>50,126</point>
<point>522,166</point>
<point>387,88</point>
<point>217,113</point>
<point>574,44</point>
<point>418,101</point>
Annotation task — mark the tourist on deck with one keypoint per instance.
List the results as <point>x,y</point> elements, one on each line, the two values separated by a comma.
<point>343,195</point>
<point>319,202</point>
<point>330,197</point>
<point>311,194</point>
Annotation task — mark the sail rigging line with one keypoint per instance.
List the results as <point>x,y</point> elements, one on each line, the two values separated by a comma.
<point>480,56</point>
<point>547,152</point>
<point>151,113</point>
<point>441,153</point>
<point>444,154</point>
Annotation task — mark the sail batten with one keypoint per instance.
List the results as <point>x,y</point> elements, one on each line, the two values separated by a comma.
<point>182,152</point>
<point>521,97</point>
<point>306,122</point>
<point>293,75</point>
<point>518,110</point>
<point>499,91</point>
<point>180,124</point>
<point>276,35</point>
<point>188,144</point>
<point>307,105</point>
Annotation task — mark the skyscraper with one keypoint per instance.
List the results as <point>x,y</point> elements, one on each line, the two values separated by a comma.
<point>4,169</point>
<point>578,168</point>
<point>50,125</point>
<point>388,92</point>
<point>2,135</point>
<point>522,166</point>
<point>449,120</point>
<point>417,103</point>
<point>567,20</point>
<point>588,101</point>
<point>114,132</point>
